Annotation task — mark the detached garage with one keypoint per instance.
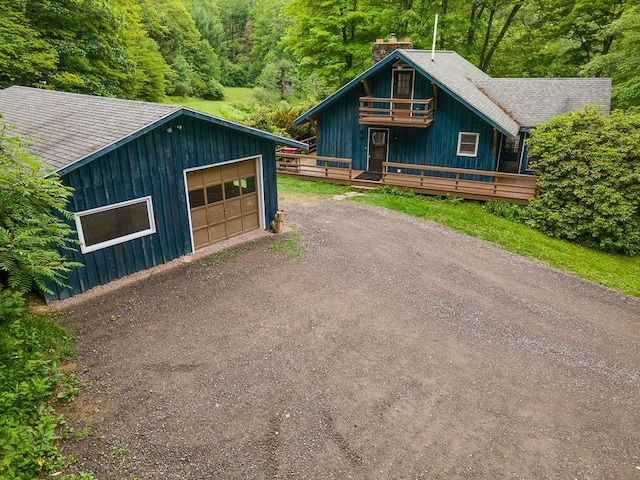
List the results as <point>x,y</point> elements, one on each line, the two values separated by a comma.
<point>152,182</point>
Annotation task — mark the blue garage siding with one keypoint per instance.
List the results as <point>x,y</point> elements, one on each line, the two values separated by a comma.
<point>153,165</point>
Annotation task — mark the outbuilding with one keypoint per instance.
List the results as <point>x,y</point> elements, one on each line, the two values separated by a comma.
<point>152,182</point>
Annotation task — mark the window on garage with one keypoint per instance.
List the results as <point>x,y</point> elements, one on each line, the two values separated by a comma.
<point>117,223</point>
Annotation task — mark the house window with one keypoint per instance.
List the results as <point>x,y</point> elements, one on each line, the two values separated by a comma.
<point>106,226</point>
<point>403,84</point>
<point>468,144</point>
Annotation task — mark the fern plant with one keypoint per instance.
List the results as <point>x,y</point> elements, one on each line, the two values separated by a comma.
<point>34,228</point>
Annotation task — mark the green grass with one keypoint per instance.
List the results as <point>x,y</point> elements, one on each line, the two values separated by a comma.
<point>220,108</point>
<point>616,271</point>
<point>294,186</point>
<point>290,245</point>
<point>31,350</point>
<point>219,258</point>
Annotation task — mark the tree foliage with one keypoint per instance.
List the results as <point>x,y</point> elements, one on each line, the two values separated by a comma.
<point>33,230</point>
<point>150,48</point>
<point>589,167</point>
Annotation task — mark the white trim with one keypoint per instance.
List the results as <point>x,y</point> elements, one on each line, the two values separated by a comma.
<point>413,86</point>
<point>386,156</point>
<point>98,246</point>
<point>523,139</point>
<point>259,189</point>
<point>466,154</point>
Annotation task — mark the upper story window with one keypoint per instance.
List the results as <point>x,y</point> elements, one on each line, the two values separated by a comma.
<point>468,144</point>
<point>403,83</point>
<point>117,223</point>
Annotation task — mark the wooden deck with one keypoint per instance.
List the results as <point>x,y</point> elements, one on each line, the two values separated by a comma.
<point>458,182</point>
<point>398,112</point>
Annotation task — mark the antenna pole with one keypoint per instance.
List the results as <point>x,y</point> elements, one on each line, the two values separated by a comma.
<point>435,31</point>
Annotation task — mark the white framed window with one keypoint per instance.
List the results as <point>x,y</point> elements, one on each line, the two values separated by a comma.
<point>113,224</point>
<point>468,144</point>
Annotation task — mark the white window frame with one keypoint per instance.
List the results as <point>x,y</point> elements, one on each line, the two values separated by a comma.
<point>475,150</point>
<point>403,68</point>
<point>98,246</point>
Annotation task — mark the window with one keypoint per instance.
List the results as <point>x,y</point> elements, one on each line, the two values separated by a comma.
<point>468,144</point>
<point>106,226</point>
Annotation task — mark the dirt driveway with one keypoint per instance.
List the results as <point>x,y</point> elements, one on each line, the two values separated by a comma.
<point>395,349</point>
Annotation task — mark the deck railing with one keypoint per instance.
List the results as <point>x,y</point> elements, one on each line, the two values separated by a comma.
<point>399,111</point>
<point>299,164</point>
<point>481,184</point>
<point>312,142</point>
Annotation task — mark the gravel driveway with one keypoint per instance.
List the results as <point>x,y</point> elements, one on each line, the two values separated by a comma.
<point>395,349</point>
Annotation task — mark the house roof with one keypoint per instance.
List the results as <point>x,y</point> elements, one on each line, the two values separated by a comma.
<point>531,101</point>
<point>66,130</point>
<point>480,93</point>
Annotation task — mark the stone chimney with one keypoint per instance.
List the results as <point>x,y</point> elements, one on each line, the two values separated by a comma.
<point>381,49</point>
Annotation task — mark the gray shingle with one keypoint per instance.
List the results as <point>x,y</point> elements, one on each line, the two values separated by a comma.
<point>458,75</point>
<point>531,101</point>
<point>66,127</point>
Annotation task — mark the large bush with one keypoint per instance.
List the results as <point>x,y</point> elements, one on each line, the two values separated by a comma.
<point>589,167</point>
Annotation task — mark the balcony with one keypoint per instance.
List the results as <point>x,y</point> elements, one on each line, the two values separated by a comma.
<point>401,112</point>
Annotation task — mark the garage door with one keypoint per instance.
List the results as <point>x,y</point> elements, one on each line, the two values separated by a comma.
<point>223,201</point>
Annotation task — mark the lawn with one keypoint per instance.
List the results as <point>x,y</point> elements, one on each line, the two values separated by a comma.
<point>615,271</point>
<point>221,108</point>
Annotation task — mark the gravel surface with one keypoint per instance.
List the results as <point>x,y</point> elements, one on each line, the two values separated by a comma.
<point>395,349</point>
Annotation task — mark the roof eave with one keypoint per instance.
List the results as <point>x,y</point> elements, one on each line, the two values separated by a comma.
<point>246,129</point>
<point>395,55</point>
<point>180,111</point>
<point>345,88</point>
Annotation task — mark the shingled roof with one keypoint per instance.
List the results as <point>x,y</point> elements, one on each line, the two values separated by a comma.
<point>456,75</point>
<point>64,128</point>
<point>509,104</point>
<point>531,101</point>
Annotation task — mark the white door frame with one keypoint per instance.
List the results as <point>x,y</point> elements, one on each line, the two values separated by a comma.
<point>386,156</point>
<point>259,189</point>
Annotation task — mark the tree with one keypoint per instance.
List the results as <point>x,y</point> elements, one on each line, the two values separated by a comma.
<point>33,229</point>
<point>622,59</point>
<point>332,38</point>
<point>589,179</point>
<point>191,59</point>
<point>25,58</point>
<point>269,24</point>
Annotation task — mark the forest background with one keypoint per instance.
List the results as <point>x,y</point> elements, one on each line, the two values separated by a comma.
<point>295,51</point>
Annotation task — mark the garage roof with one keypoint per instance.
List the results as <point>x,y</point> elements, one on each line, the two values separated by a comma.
<point>68,129</point>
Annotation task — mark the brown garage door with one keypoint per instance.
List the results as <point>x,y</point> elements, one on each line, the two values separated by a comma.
<point>223,201</point>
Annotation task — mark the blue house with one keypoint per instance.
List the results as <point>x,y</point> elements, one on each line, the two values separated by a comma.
<point>152,182</point>
<point>438,111</point>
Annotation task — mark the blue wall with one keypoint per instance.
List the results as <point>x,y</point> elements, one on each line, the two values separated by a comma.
<point>153,164</point>
<point>340,134</point>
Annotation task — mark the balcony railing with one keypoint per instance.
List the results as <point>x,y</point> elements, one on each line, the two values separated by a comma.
<point>406,112</point>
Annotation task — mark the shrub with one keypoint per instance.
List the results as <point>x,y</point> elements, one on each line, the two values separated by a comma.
<point>510,211</point>
<point>589,179</point>
<point>32,225</point>
<point>213,90</point>
<point>30,348</point>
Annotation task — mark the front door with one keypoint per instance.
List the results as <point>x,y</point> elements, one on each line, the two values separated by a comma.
<point>378,148</point>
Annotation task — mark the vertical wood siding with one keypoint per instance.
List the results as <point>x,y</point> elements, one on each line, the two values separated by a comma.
<point>340,134</point>
<point>153,164</point>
